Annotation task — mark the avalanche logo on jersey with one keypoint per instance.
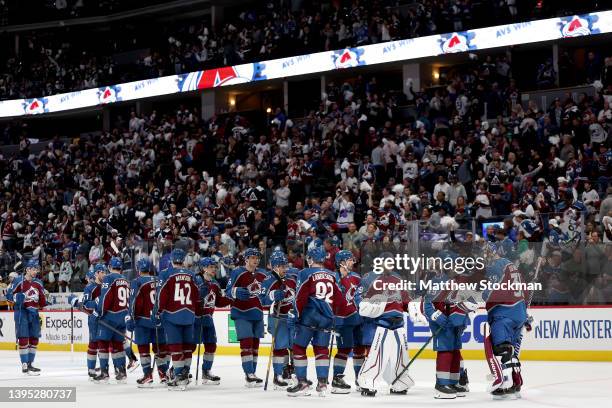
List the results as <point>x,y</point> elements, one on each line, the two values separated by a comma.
<point>108,94</point>
<point>32,294</point>
<point>255,288</point>
<point>35,106</point>
<point>350,294</point>
<point>223,76</point>
<point>348,58</point>
<point>209,300</point>
<point>578,26</point>
<point>289,296</point>
<point>456,42</point>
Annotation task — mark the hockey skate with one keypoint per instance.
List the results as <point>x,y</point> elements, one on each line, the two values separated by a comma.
<point>252,381</point>
<point>396,392</point>
<point>288,371</point>
<point>301,388</point>
<point>505,394</point>
<point>121,376</point>
<point>25,369</point>
<point>163,377</point>
<point>178,383</point>
<point>145,382</point>
<point>32,369</point>
<point>103,377</point>
<point>322,387</point>
<point>445,392</point>
<point>91,374</point>
<point>366,392</point>
<point>289,374</point>
<point>464,381</point>
<point>133,364</point>
<point>461,390</point>
<point>339,386</point>
<point>279,382</point>
<point>209,378</point>
<point>357,386</point>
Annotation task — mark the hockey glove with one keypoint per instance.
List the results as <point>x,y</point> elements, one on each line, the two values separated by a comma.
<point>129,323</point>
<point>242,294</point>
<point>278,295</point>
<point>414,312</point>
<point>291,319</point>
<point>529,323</point>
<point>73,300</point>
<point>439,318</point>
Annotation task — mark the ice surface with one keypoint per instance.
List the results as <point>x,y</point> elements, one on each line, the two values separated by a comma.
<point>547,384</point>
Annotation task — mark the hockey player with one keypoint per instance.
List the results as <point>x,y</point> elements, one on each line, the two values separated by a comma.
<point>88,305</point>
<point>317,298</point>
<point>28,295</point>
<point>204,329</point>
<point>279,293</point>
<point>506,315</point>
<point>244,289</point>
<point>142,300</point>
<point>350,328</point>
<point>111,308</point>
<point>447,319</point>
<point>389,352</point>
<point>175,313</point>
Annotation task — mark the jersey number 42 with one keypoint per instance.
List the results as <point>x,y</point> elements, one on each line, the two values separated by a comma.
<point>182,293</point>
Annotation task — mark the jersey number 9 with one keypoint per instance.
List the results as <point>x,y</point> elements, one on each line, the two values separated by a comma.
<point>122,294</point>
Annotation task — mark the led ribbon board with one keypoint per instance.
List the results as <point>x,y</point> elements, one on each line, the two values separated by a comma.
<point>401,50</point>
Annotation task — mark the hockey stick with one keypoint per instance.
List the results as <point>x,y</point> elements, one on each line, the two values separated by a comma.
<point>331,348</point>
<point>108,326</point>
<point>274,334</point>
<point>157,345</point>
<point>333,332</point>
<point>198,360</point>
<point>416,355</point>
<point>72,332</point>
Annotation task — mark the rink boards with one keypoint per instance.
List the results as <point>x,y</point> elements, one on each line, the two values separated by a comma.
<point>559,334</point>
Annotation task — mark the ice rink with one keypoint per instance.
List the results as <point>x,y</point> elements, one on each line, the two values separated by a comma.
<point>547,384</point>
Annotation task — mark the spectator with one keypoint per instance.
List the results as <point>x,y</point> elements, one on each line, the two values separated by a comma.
<point>65,272</point>
<point>96,252</point>
<point>4,305</point>
<point>282,194</point>
<point>80,270</point>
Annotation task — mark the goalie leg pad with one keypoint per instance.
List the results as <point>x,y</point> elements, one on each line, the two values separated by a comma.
<point>494,365</point>
<point>503,354</point>
<point>396,348</point>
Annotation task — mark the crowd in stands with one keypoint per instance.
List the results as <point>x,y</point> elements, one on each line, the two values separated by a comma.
<point>34,11</point>
<point>60,61</point>
<point>352,173</point>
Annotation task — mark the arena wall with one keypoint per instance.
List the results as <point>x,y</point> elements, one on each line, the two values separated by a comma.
<point>572,333</point>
